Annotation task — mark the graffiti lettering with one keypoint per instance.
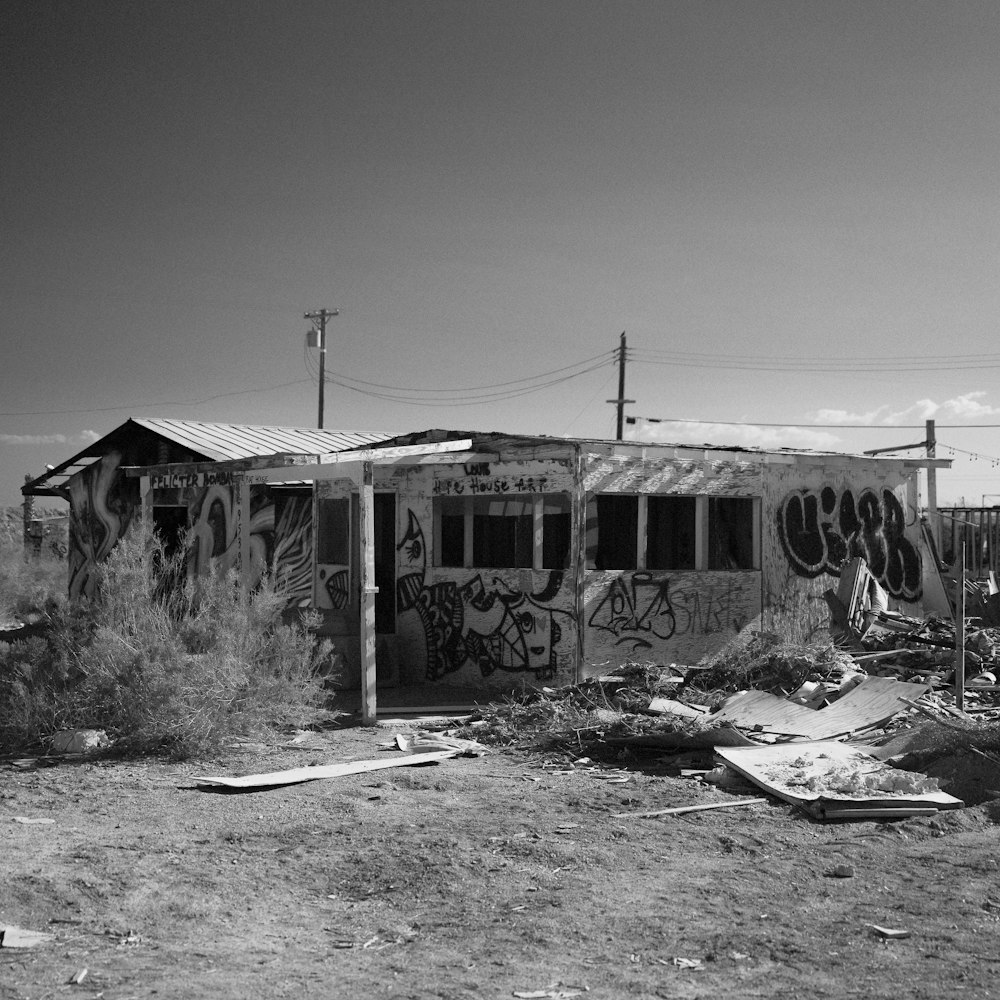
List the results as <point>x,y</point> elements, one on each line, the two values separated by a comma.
<point>635,610</point>
<point>705,611</point>
<point>478,485</point>
<point>184,480</point>
<point>822,530</point>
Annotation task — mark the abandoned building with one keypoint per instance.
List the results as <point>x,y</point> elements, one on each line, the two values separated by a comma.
<point>489,560</point>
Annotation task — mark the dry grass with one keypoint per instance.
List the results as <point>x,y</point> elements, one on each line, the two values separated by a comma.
<point>161,661</point>
<point>27,584</point>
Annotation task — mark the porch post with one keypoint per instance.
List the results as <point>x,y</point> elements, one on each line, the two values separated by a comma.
<point>243,531</point>
<point>578,557</point>
<point>366,496</point>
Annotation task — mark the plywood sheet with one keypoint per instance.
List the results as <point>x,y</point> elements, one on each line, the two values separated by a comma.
<point>874,701</point>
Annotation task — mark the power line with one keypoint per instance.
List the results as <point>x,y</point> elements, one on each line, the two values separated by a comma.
<point>492,397</point>
<point>975,455</point>
<point>603,357</point>
<point>463,396</point>
<point>840,427</point>
<point>812,365</point>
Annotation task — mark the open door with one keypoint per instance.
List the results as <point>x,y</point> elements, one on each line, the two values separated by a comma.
<point>338,583</point>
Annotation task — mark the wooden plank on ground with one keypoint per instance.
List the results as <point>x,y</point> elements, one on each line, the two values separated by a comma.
<point>297,775</point>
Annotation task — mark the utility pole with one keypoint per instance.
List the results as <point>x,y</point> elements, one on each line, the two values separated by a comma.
<point>318,319</point>
<point>932,511</point>
<point>621,400</point>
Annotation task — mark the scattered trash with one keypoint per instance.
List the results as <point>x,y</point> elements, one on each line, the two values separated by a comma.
<point>841,871</point>
<point>689,963</point>
<point>17,937</point>
<point>78,978</point>
<point>428,742</point>
<point>557,991</point>
<point>889,933</point>
<point>677,810</point>
<point>71,741</point>
<point>33,820</point>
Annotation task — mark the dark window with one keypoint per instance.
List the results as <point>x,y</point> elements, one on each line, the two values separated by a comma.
<point>617,531</point>
<point>385,562</point>
<point>451,544</point>
<point>170,523</point>
<point>670,532</point>
<point>502,533</point>
<point>333,535</point>
<point>730,533</point>
<point>556,531</point>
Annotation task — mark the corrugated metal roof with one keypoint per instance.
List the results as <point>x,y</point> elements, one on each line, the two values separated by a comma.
<point>225,441</point>
<point>216,442</point>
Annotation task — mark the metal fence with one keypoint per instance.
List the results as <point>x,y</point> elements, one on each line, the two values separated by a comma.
<point>977,530</point>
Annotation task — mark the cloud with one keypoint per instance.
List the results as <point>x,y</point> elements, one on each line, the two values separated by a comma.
<point>16,439</point>
<point>83,438</point>
<point>734,435</point>
<point>968,406</point>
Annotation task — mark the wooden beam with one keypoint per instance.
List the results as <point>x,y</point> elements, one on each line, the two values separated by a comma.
<point>366,505</point>
<point>344,464</point>
<point>380,456</point>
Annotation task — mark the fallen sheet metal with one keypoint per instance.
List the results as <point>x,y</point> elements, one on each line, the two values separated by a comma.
<point>297,775</point>
<point>832,780</point>
<point>872,702</point>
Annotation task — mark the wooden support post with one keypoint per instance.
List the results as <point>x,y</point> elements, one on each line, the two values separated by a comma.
<point>243,533</point>
<point>960,634</point>
<point>932,512</point>
<point>366,506</point>
<point>145,500</point>
<point>578,558</point>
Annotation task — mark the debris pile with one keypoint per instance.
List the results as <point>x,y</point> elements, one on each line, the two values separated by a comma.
<point>866,725</point>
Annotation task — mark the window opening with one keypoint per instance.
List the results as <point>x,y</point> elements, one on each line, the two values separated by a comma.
<point>617,531</point>
<point>730,533</point>
<point>670,532</point>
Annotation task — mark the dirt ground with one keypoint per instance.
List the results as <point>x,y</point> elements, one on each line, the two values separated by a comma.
<point>505,875</point>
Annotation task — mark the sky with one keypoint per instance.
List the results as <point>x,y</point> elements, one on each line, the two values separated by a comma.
<point>789,207</point>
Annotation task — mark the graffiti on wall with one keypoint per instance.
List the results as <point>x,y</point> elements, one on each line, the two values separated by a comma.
<point>213,538</point>
<point>100,513</point>
<point>293,548</point>
<point>487,623</point>
<point>636,610</point>
<point>821,530</point>
<point>640,610</point>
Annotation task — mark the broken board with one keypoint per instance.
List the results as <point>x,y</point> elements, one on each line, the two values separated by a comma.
<point>297,775</point>
<point>874,701</point>
<point>808,775</point>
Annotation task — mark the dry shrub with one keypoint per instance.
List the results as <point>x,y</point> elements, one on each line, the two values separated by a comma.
<point>164,661</point>
<point>766,662</point>
<point>28,583</point>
